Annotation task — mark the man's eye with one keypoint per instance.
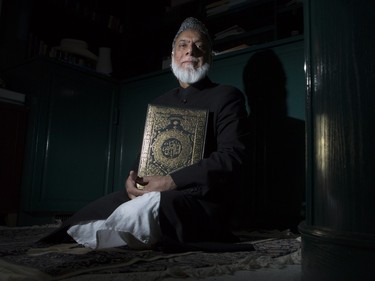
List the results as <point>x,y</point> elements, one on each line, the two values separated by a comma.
<point>201,47</point>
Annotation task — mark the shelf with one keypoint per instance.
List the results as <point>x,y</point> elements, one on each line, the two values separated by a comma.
<point>261,22</point>
<point>130,36</point>
<point>242,7</point>
<point>11,96</point>
<point>260,35</point>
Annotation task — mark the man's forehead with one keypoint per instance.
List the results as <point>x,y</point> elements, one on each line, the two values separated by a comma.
<point>190,35</point>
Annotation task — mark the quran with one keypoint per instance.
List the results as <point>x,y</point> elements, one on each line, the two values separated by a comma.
<point>173,138</point>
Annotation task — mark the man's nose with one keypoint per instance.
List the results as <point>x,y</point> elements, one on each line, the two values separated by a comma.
<point>192,50</point>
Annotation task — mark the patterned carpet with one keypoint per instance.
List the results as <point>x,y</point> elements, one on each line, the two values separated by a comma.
<point>20,259</point>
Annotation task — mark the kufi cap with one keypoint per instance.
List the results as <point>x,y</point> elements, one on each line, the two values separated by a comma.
<point>193,24</point>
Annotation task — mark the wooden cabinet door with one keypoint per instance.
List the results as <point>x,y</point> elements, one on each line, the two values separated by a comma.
<point>77,164</point>
<point>70,140</point>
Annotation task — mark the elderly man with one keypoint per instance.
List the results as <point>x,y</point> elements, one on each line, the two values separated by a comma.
<point>188,206</point>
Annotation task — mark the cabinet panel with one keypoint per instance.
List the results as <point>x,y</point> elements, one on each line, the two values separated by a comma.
<point>78,141</point>
<point>70,139</point>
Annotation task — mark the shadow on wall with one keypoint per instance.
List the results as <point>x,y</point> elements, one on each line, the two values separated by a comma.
<point>275,172</point>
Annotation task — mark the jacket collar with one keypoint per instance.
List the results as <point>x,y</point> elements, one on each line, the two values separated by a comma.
<point>197,86</point>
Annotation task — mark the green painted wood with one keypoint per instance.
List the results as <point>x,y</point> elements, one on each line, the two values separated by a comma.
<point>79,141</point>
<point>71,136</point>
<point>338,236</point>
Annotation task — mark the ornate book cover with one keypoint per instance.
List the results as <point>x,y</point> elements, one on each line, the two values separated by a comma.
<point>173,138</point>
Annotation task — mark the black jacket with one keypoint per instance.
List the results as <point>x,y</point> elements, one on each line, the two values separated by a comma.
<point>217,175</point>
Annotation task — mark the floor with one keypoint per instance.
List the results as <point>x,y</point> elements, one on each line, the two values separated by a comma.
<point>288,273</point>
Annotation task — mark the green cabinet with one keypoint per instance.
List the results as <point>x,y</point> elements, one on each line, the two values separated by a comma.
<point>71,137</point>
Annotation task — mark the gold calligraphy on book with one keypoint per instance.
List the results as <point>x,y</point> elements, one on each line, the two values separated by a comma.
<point>173,138</point>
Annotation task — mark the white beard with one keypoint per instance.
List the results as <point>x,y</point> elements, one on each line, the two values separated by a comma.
<point>189,75</point>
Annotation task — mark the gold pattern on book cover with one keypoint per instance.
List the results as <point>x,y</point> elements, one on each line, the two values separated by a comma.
<point>173,138</point>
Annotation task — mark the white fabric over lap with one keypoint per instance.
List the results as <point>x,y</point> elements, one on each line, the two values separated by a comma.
<point>134,223</point>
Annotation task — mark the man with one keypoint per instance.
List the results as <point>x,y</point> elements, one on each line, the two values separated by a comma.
<point>191,205</point>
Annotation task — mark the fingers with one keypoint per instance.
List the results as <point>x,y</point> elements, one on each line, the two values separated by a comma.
<point>159,183</point>
<point>130,186</point>
<point>141,181</point>
<point>133,175</point>
<point>135,192</point>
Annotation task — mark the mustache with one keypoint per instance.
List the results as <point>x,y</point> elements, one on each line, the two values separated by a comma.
<point>192,59</point>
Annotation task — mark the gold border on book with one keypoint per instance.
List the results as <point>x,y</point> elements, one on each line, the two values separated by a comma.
<point>173,138</point>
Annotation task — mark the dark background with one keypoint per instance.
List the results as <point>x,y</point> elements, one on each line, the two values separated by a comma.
<point>139,33</point>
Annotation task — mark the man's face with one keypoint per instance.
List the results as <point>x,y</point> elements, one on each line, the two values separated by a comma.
<point>191,50</point>
<point>190,57</point>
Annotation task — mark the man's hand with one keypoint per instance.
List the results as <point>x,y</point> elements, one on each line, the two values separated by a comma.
<point>158,183</point>
<point>131,187</point>
<point>150,183</point>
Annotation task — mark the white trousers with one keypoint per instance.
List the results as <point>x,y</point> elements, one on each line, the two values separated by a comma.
<point>134,223</point>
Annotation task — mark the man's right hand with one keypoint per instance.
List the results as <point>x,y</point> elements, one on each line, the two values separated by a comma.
<point>131,186</point>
